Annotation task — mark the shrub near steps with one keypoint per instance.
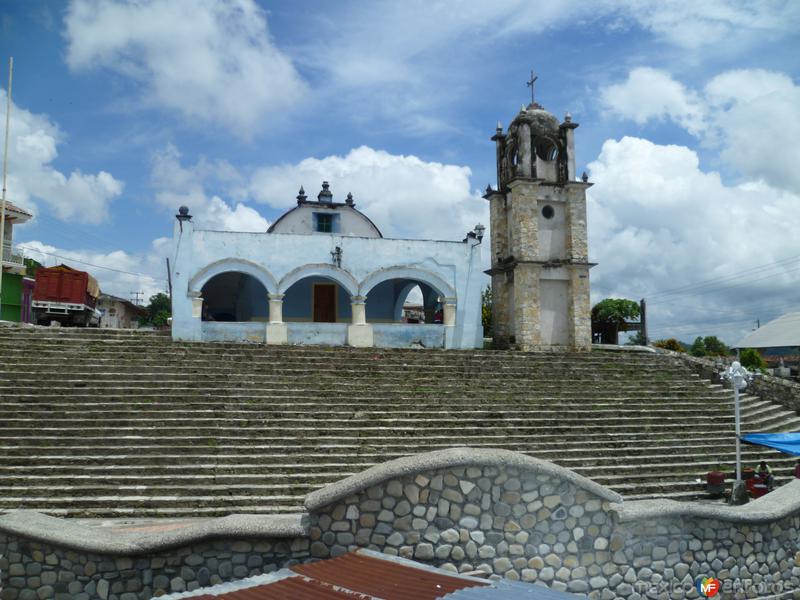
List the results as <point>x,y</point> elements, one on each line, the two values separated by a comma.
<point>100,423</point>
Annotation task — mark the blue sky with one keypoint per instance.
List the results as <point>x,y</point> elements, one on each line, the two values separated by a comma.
<point>689,113</point>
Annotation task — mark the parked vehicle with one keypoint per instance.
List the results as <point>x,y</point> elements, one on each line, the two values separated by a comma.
<point>65,295</point>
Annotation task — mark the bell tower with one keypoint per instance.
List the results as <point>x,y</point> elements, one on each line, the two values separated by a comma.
<point>540,256</point>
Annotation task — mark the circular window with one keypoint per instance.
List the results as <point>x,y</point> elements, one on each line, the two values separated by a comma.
<point>548,212</point>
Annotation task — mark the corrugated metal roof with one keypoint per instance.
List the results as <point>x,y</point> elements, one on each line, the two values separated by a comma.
<point>783,331</point>
<point>384,578</point>
<point>366,575</point>
<point>511,590</point>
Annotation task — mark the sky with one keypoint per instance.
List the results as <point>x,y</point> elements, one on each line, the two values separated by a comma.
<point>689,119</point>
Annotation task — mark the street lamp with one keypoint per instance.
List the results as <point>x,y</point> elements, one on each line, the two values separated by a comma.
<point>739,378</point>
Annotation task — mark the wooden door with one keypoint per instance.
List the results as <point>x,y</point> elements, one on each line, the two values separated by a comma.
<point>325,303</point>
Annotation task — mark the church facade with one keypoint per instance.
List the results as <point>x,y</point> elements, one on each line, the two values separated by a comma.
<point>540,255</point>
<point>324,274</point>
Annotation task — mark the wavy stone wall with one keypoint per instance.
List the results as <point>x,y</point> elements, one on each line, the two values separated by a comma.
<point>463,509</point>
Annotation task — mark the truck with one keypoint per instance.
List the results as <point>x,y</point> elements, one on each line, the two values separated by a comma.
<point>65,295</point>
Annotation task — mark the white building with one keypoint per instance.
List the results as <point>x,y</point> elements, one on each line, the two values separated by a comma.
<point>118,313</point>
<point>323,274</point>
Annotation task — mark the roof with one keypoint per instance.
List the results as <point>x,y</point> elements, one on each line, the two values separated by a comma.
<point>11,207</point>
<point>783,331</point>
<point>368,575</point>
<point>128,303</point>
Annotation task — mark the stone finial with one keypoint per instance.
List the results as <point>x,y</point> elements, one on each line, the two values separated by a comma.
<point>489,189</point>
<point>499,127</point>
<point>479,229</point>
<point>183,214</point>
<point>584,177</point>
<point>349,201</point>
<point>568,117</point>
<point>301,195</point>
<point>325,194</point>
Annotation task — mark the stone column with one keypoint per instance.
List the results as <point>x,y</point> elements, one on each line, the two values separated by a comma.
<point>524,206</point>
<point>524,151</point>
<point>527,311</point>
<point>277,331</point>
<point>580,313</point>
<point>359,333</point>
<point>501,317</point>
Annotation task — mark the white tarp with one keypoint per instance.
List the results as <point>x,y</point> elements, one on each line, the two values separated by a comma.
<point>783,331</point>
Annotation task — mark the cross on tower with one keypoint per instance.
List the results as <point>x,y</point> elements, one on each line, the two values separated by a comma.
<point>531,85</point>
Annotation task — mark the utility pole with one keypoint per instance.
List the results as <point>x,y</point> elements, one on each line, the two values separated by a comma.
<point>5,175</point>
<point>136,298</point>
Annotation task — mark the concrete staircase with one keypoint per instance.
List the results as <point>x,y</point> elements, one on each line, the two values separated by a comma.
<point>99,423</point>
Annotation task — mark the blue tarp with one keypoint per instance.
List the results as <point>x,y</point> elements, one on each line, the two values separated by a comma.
<point>785,442</point>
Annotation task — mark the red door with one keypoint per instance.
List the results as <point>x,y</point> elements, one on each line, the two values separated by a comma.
<point>325,303</point>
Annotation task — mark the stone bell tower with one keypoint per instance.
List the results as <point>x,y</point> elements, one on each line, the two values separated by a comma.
<point>540,258</point>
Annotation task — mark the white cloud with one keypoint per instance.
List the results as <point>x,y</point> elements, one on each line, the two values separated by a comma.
<point>118,272</point>
<point>177,186</point>
<point>654,94</point>
<point>752,116</point>
<point>32,178</point>
<point>658,222</point>
<point>211,61</point>
<point>404,195</point>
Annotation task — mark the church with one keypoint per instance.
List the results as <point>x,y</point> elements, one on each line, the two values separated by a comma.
<point>324,274</point>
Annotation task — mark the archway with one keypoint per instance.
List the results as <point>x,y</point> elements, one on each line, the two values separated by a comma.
<point>234,296</point>
<point>387,302</point>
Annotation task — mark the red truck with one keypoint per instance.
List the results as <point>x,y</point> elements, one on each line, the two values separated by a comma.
<point>65,295</point>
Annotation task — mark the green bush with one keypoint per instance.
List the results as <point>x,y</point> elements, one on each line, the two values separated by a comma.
<point>752,359</point>
<point>670,344</point>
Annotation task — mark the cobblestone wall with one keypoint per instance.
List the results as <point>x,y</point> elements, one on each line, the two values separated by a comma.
<point>36,571</point>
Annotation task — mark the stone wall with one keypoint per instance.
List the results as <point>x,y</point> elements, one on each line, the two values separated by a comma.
<point>463,509</point>
<point>776,389</point>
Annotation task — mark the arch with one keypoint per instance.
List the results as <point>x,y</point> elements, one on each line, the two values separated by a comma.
<point>414,273</point>
<point>340,276</point>
<point>247,267</point>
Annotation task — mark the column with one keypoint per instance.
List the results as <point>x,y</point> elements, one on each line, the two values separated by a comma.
<point>277,331</point>
<point>194,330</point>
<point>580,309</point>
<point>527,326</point>
<point>359,333</point>
<point>449,321</point>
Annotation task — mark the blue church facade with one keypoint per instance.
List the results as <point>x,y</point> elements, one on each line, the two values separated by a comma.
<point>324,274</point>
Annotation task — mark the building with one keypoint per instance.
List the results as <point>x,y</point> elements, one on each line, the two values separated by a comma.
<point>16,290</point>
<point>118,313</point>
<point>540,265</point>
<point>323,274</point>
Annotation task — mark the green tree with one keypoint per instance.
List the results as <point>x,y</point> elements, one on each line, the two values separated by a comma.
<point>752,359</point>
<point>158,311</point>
<point>486,308</point>
<point>715,347</point>
<point>615,310</point>
<point>698,347</point>
<point>637,339</point>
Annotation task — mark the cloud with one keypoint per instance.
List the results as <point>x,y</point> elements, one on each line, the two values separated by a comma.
<point>404,195</point>
<point>177,186</point>
<point>32,179</point>
<point>652,94</point>
<point>118,272</point>
<point>751,116</point>
<point>658,222</point>
<point>210,61</point>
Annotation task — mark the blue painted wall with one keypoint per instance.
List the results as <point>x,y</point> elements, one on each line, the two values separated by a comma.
<point>297,302</point>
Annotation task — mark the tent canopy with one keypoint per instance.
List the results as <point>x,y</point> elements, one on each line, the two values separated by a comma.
<point>785,442</point>
<point>783,331</point>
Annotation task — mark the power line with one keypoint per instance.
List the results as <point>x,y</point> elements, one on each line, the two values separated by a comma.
<point>83,262</point>
<point>704,283</point>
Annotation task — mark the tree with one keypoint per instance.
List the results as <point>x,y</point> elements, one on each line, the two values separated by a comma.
<point>752,359</point>
<point>609,316</point>
<point>637,339</point>
<point>698,347</point>
<point>486,309</point>
<point>158,311</point>
<point>715,347</point>
<point>615,310</point>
